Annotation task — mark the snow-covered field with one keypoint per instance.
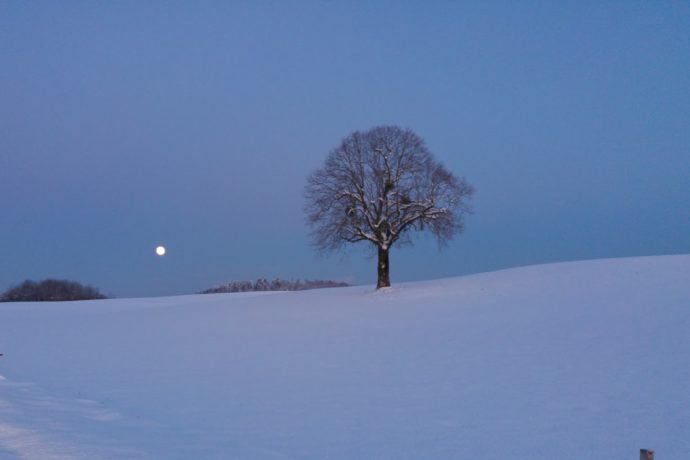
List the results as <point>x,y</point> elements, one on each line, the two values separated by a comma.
<point>564,361</point>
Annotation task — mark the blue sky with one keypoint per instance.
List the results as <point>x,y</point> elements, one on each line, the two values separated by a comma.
<point>124,125</point>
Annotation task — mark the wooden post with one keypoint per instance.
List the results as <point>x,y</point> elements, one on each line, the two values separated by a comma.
<point>646,454</point>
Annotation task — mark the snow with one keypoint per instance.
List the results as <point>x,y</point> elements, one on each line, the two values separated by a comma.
<point>573,360</point>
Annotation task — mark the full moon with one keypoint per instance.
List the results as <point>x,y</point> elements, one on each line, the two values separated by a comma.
<point>160,250</point>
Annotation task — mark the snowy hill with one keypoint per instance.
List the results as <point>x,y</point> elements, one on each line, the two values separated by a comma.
<point>564,361</point>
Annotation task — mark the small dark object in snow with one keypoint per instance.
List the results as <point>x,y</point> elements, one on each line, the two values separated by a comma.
<point>646,454</point>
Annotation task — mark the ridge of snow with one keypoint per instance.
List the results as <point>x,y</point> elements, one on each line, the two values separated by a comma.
<point>564,360</point>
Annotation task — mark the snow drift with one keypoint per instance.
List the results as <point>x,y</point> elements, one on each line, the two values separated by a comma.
<point>575,360</point>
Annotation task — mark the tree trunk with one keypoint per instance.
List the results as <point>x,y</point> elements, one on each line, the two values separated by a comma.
<point>383,269</point>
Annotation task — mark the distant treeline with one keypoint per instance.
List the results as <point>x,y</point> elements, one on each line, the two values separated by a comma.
<point>262,284</point>
<point>50,290</point>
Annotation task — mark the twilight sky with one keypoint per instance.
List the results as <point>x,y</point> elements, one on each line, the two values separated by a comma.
<point>124,125</point>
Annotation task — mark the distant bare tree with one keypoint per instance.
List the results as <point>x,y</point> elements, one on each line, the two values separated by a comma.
<point>379,186</point>
<point>50,290</point>
<point>262,284</point>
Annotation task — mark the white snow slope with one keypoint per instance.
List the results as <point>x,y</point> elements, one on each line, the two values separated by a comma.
<point>564,361</point>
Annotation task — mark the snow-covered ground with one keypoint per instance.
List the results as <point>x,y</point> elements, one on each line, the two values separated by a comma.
<point>564,361</point>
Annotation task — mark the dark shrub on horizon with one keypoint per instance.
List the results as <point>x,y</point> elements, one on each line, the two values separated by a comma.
<point>262,284</point>
<point>50,290</point>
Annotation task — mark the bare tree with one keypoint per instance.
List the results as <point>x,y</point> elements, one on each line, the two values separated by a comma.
<point>50,290</point>
<point>379,186</point>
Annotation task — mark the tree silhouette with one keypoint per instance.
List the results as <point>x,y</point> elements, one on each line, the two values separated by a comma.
<point>379,186</point>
